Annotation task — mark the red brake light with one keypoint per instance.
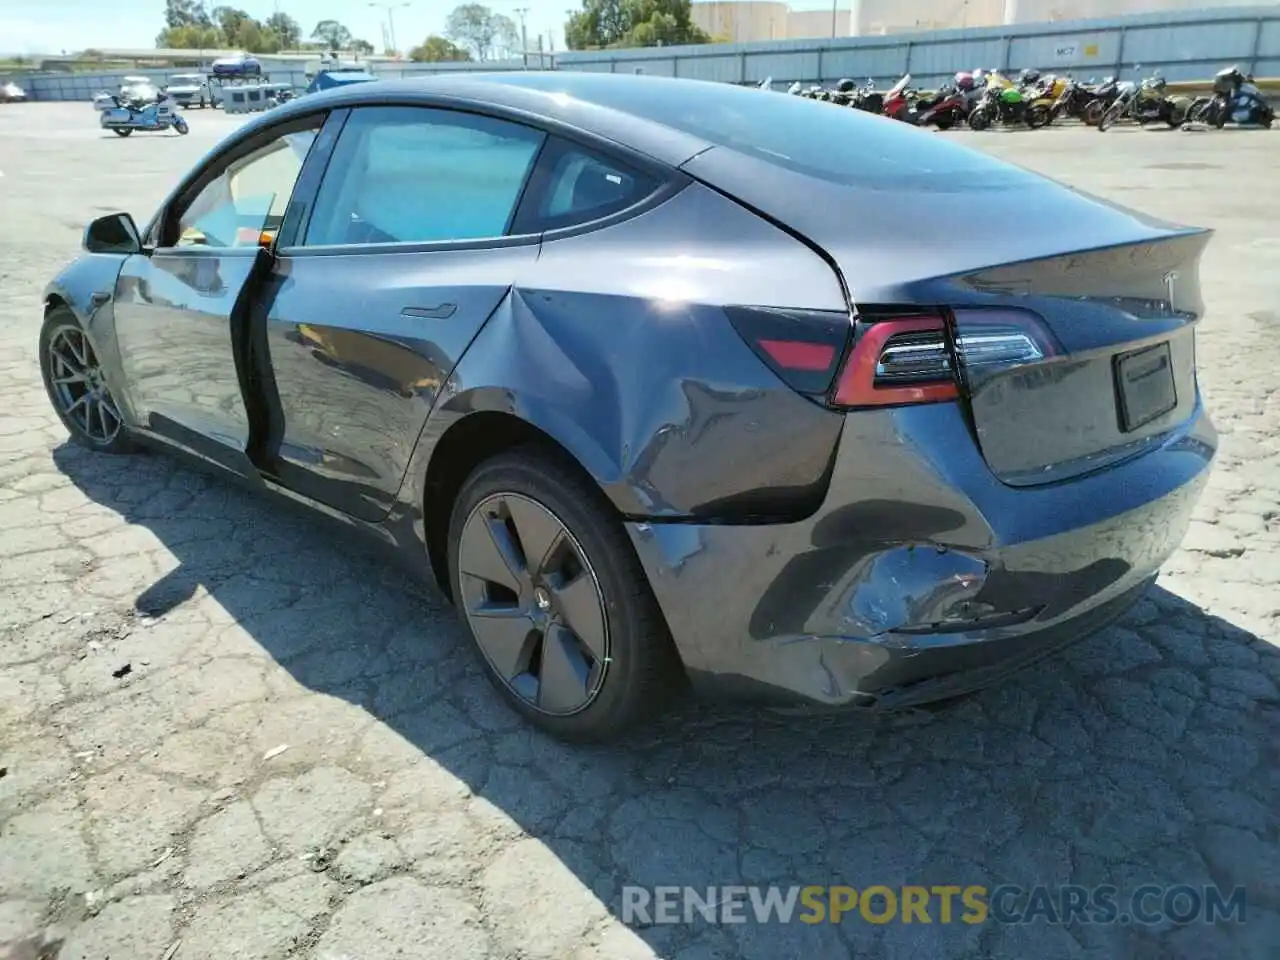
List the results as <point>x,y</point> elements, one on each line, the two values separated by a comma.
<point>898,361</point>
<point>797,355</point>
<point>802,347</point>
<point>909,360</point>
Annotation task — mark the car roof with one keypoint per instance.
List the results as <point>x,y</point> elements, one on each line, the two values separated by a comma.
<point>558,98</point>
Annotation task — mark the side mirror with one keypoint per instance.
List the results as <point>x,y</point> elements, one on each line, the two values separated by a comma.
<point>114,233</point>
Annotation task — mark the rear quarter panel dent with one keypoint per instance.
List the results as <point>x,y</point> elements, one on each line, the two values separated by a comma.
<point>664,406</point>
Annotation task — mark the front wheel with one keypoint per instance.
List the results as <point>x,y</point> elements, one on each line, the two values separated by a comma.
<point>77,387</point>
<point>1038,116</point>
<point>979,119</point>
<point>122,131</point>
<point>181,126</point>
<point>550,590</point>
<point>1109,117</point>
<point>1093,113</point>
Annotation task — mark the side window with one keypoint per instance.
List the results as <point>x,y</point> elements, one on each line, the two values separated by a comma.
<point>584,186</point>
<point>247,200</point>
<point>420,175</point>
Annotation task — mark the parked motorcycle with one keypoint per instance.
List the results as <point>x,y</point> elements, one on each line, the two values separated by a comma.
<point>1236,98</point>
<point>1042,93</point>
<point>1002,102</point>
<point>867,98</point>
<point>951,105</point>
<point>127,115</point>
<point>1145,103</point>
<point>1075,102</point>
<point>900,102</point>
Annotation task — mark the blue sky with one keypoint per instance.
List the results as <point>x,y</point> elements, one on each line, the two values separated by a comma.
<point>50,26</point>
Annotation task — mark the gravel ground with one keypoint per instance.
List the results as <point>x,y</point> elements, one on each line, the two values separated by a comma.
<point>303,761</point>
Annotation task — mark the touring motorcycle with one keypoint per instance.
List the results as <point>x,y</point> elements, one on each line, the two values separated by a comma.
<point>1236,98</point>
<point>153,115</point>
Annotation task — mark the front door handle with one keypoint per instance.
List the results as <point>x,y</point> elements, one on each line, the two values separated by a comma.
<point>98,299</point>
<point>442,311</point>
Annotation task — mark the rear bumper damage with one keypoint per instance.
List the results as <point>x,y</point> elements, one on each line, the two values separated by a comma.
<point>922,576</point>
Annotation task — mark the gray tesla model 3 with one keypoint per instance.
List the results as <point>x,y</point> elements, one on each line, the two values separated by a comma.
<point>666,381</point>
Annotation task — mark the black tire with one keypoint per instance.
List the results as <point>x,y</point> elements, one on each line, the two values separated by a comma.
<point>979,119</point>
<point>1109,117</point>
<point>122,131</point>
<point>57,319</point>
<point>1038,116</point>
<point>641,670</point>
<point>1093,112</point>
<point>945,122</point>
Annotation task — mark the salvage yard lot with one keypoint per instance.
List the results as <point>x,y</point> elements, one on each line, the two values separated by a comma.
<point>225,729</point>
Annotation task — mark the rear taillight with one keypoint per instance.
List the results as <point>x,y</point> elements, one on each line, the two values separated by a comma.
<point>907,360</point>
<point>803,347</point>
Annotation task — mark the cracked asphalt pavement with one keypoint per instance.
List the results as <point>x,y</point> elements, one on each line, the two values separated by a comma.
<point>228,732</point>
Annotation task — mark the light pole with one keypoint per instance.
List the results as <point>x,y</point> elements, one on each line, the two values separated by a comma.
<point>391,20</point>
<point>201,28</point>
<point>522,12</point>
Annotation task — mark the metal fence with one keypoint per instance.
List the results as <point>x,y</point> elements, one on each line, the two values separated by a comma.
<point>1183,45</point>
<point>84,86</point>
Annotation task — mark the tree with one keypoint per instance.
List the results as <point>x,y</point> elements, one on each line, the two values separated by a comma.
<point>185,13</point>
<point>436,49</point>
<point>190,37</point>
<point>229,20</point>
<point>363,47</point>
<point>480,30</point>
<point>632,23</point>
<point>332,34</point>
<point>286,29</point>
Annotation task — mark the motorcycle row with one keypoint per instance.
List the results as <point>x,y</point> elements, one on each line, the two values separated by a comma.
<point>988,98</point>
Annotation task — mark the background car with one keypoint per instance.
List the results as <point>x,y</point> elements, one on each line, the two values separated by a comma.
<point>665,381</point>
<point>190,90</point>
<point>12,93</point>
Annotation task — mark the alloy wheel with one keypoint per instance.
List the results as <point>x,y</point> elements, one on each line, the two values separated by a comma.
<point>79,387</point>
<point>534,603</point>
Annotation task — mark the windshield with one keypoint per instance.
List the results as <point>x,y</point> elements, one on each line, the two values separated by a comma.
<point>185,79</point>
<point>800,134</point>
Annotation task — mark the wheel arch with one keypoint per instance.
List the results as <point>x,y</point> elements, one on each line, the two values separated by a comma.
<point>486,431</point>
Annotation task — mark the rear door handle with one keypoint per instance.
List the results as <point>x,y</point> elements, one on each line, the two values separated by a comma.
<point>442,311</point>
<point>99,298</point>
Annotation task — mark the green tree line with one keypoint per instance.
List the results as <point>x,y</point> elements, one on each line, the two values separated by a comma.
<point>189,26</point>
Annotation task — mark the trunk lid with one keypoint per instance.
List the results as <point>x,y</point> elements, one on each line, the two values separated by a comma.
<point>1117,291</point>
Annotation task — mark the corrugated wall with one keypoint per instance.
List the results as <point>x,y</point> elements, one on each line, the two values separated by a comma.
<point>1183,45</point>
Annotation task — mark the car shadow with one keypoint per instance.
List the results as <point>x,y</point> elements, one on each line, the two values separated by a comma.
<point>1144,755</point>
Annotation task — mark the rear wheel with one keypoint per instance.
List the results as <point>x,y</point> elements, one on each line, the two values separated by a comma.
<point>945,122</point>
<point>76,385</point>
<point>550,590</point>
<point>1109,117</point>
<point>122,131</point>
<point>1038,116</point>
<point>979,119</point>
<point>1093,113</point>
